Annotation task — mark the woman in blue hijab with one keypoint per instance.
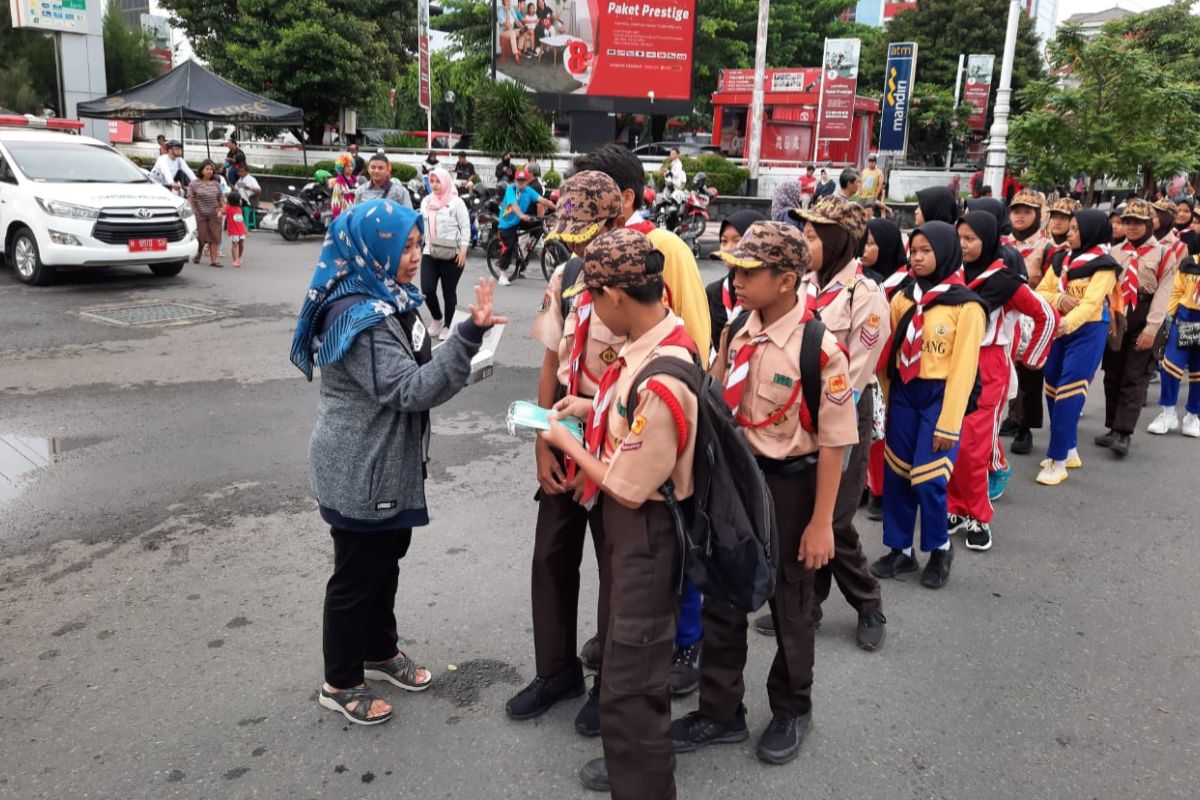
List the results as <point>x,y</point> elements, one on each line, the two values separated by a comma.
<point>367,455</point>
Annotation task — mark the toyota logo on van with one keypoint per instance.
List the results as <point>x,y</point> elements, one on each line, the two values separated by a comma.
<point>144,213</point>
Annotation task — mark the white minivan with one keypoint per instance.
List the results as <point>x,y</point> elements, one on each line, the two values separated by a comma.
<point>74,202</point>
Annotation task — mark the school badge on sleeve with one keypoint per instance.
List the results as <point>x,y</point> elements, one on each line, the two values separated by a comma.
<point>837,390</point>
<point>638,426</point>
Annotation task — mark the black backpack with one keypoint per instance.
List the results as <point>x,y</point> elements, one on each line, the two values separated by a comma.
<point>570,277</point>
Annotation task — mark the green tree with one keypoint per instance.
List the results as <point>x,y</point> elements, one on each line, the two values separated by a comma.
<point>1115,114</point>
<point>127,59</point>
<point>933,123</point>
<point>321,55</point>
<point>27,68</point>
<point>506,121</point>
<point>1170,36</point>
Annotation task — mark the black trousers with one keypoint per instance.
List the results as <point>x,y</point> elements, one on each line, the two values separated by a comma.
<point>849,565</point>
<point>360,624</point>
<point>508,241</point>
<point>1027,407</point>
<point>446,272</point>
<point>1127,373</point>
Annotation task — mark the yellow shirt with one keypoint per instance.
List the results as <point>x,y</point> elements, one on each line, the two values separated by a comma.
<point>951,339</point>
<point>1091,292</point>
<point>682,276</point>
<point>1183,293</point>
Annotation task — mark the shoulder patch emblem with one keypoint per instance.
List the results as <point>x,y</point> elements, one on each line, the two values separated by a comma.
<point>638,426</point>
<point>873,321</point>
<point>941,329</point>
<point>838,384</point>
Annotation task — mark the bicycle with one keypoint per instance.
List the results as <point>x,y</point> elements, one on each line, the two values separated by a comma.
<point>530,242</point>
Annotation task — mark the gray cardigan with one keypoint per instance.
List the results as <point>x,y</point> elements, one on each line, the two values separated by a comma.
<point>368,450</point>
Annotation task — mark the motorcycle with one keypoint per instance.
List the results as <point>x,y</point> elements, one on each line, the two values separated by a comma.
<point>476,197</point>
<point>690,222</point>
<point>307,212</point>
<point>487,215</point>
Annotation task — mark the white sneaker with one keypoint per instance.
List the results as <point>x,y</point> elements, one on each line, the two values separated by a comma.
<point>444,334</point>
<point>435,327</point>
<point>504,281</point>
<point>1166,421</point>
<point>1191,426</point>
<point>1053,473</point>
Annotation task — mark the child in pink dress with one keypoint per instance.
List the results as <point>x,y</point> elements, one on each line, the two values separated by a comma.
<point>235,226</point>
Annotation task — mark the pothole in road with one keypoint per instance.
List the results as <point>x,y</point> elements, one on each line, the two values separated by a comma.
<point>20,455</point>
<point>464,684</point>
<point>152,313</point>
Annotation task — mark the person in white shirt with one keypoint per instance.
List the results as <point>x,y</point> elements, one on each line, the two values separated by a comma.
<point>676,178</point>
<point>168,166</point>
<point>447,237</point>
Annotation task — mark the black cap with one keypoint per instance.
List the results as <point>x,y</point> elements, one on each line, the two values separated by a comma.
<point>174,143</point>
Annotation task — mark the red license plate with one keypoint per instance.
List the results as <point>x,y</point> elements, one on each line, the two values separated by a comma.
<point>146,245</point>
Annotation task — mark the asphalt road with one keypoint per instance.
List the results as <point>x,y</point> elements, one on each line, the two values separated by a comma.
<point>161,582</point>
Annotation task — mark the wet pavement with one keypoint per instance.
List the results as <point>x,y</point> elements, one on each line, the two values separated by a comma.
<point>162,569</point>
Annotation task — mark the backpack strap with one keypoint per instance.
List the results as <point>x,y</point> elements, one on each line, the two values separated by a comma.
<point>570,277</point>
<point>810,367</point>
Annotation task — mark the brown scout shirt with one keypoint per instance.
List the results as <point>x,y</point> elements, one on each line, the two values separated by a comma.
<point>774,372</point>
<point>862,329</point>
<point>1149,281</point>
<point>1033,252</point>
<point>641,458</point>
<point>558,334</point>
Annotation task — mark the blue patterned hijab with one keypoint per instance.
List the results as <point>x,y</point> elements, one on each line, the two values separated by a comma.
<point>361,253</point>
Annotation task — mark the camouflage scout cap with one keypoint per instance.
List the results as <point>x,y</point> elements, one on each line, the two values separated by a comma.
<point>1065,205</point>
<point>770,244</point>
<point>616,260</point>
<point>1028,197</point>
<point>1165,206</point>
<point>1138,209</point>
<point>586,201</point>
<point>832,211</point>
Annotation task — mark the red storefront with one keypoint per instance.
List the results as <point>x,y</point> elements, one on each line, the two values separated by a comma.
<point>790,101</point>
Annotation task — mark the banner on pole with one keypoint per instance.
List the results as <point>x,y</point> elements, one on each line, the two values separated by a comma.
<point>423,53</point>
<point>977,89</point>
<point>839,83</point>
<point>898,77</point>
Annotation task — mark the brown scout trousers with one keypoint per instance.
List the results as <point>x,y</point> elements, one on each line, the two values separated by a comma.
<point>789,684</point>
<point>639,571</point>
<point>849,565</point>
<point>562,525</point>
<point>1127,373</point>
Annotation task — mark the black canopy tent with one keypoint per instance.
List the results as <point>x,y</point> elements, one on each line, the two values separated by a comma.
<point>193,94</point>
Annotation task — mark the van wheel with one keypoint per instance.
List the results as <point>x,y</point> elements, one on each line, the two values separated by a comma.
<point>167,270</point>
<point>28,261</point>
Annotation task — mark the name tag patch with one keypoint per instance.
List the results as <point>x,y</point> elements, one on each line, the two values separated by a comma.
<point>631,446</point>
<point>782,380</point>
<point>386,505</point>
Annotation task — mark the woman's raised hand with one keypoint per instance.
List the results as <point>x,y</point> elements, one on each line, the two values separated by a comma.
<point>483,310</point>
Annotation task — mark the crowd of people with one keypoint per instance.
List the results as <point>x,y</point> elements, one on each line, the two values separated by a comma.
<point>858,364</point>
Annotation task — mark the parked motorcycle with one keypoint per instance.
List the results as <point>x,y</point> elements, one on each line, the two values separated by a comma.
<point>307,212</point>
<point>689,222</point>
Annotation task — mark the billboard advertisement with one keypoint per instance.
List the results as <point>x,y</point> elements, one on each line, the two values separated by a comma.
<point>978,89</point>
<point>598,48</point>
<point>423,53</point>
<point>898,77</point>
<point>839,83</point>
<point>64,16</point>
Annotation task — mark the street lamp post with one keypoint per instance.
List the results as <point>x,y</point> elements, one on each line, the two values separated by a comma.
<point>449,97</point>
<point>756,103</point>
<point>997,152</point>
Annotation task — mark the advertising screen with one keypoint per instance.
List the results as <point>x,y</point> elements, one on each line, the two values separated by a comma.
<point>598,48</point>
<point>838,88</point>
<point>978,88</point>
<point>65,16</point>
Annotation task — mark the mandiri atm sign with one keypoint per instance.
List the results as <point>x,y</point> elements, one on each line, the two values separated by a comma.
<point>898,77</point>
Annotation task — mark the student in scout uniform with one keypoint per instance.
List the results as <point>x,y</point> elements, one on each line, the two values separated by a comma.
<point>1078,285</point>
<point>760,369</point>
<point>1146,280</point>
<point>624,465</point>
<point>1182,358</point>
<point>1167,235</point>
<point>722,300</point>
<point>1058,225</point>
<point>884,261</point>
<point>1025,412</point>
<point>929,375</point>
<point>1116,220</point>
<point>855,310</point>
<point>1006,296</point>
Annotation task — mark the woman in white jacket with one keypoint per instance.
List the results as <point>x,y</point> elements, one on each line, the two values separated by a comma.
<point>447,236</point>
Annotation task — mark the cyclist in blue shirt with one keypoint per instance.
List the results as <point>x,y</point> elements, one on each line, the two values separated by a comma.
<point>519,200</point>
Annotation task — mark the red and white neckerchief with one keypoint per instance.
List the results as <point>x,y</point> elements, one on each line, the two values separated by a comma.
<point>910,348</point>
<point>1083,258</point>
<point>1130,282</point>
<point>1026,249</point>
<point>893,282</point>
<point>1009,241</point>
<point>735,381</point>
<point>641,224</point>
<point>597,422</point>
<point>578,363</point>
<point>818,299</point>
<point>729,300</point>
<point>981,278</point>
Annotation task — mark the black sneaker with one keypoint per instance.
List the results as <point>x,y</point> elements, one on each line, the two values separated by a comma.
<point>1106,439</point>
<point>695,730</point>
<point>594,775</point>
<point>1022,443</point>
<point>872,630</point>
<point>542,693</point>
<point>1121,444</point>
<point>875,508</point>
<point>765,624</point>
<point>592,653</point>
<point>979,536</point>
<point>956,524</point>
<point>937,569</point>
<point>893,564</point>
<point>780,742</point>
<point>587,721</point>
<point>1010,427</point>
<point>685,670</point>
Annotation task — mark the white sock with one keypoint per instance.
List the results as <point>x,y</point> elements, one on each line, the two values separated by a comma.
<point>907,551</point>
<point>945,545</point>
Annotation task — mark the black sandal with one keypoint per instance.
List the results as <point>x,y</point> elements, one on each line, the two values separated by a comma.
<point>399,671</point>
<point>337,701</point>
